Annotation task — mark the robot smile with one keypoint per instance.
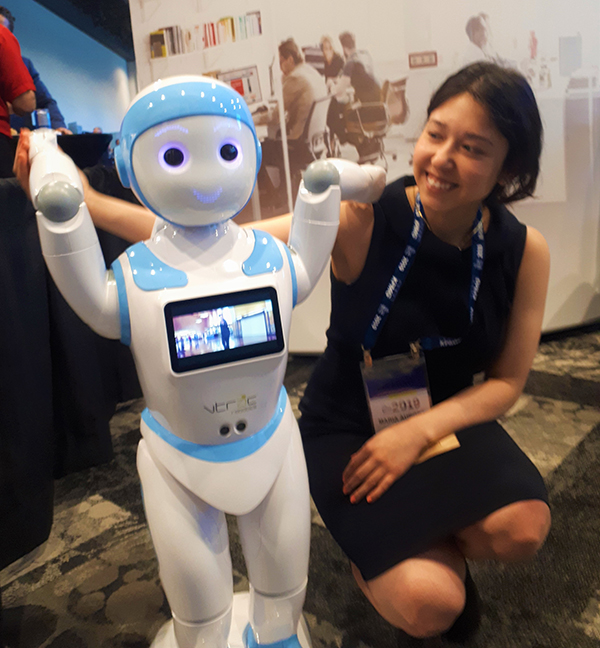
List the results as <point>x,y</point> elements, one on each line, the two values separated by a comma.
<point>208,198</point>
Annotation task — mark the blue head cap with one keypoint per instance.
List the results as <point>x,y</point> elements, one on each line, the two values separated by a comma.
<point>183,96</point>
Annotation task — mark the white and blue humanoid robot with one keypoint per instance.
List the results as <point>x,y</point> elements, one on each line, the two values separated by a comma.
<point>205,307</point>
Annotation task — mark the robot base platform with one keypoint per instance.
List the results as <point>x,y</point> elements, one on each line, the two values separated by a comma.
<point>166,635</point>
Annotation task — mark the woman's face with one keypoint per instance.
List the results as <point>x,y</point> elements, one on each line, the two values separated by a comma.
<point>459,156</point>
<point>327,50</point>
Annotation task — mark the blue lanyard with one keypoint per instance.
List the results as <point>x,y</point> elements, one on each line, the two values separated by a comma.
<point>401,271</point>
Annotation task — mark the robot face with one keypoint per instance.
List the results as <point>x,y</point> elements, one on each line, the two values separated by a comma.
<point>196,170</point>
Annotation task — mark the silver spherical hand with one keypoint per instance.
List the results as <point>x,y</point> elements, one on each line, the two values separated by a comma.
<point>320,175</point>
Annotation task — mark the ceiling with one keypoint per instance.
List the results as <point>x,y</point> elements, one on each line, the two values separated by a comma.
<point>106,21</point>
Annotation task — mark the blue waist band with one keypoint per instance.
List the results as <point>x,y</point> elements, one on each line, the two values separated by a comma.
<point>226,451</point>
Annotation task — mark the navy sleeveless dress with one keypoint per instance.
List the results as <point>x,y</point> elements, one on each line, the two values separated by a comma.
<point>449,492</point>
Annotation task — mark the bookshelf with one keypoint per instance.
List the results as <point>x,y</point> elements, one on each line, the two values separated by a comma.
<point>208,37</point>
<point>175,39</point>
<point>218,58</point>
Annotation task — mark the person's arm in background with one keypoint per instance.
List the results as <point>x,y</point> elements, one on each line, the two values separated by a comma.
<point>45,100</point>
<point>16,85</point>
<point>341,87</point>
<point>24,103</point>
<point>295,92</point>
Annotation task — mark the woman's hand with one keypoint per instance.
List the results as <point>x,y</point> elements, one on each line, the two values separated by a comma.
<point>382,460</point>
<point>22,167</point>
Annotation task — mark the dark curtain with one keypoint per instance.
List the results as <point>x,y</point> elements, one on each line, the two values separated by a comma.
<point>59,381</point>
<point>27,443</point>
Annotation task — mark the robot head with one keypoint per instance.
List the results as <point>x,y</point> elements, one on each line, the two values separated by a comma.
<point>189,151</point>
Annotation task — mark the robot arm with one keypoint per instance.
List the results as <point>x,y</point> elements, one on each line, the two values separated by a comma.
<point>69,241</point>
<point>317,213</point>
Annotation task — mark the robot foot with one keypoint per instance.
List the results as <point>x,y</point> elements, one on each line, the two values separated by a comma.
<point>165,637</point>
<point>178,634</point>
<point>250,641</point>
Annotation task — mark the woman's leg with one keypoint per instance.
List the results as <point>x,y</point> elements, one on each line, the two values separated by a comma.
<point>514,532</point>
<point>422,595</point>
<point>425,594</point>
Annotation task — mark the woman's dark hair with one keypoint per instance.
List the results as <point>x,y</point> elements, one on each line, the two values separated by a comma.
<point>289,48</point>
<point>513,110</point>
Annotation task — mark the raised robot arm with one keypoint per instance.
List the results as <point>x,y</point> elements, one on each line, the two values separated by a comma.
<point>69,241</point>
<point>317,213</point>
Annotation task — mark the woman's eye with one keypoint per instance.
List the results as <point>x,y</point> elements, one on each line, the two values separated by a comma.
<point>434,135</point>
<point>229,152</point>
<point>473,150</point>
<point>174,157</point>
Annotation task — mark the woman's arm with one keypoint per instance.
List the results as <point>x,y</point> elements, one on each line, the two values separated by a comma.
<point>135,223</point>
<point>129,221</point>
<point>387,455</point>
<point>278,226</point>
<point>506,378</point>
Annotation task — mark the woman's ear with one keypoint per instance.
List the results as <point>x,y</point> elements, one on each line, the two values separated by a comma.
<point>505,178</point>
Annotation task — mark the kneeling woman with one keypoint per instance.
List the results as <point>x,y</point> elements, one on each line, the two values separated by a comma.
<point>469,283</point>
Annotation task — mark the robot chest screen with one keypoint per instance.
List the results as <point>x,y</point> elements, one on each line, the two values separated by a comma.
<point>220,329</point>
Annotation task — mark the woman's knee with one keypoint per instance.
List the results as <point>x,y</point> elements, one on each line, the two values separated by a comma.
<point>423,598</point>
<point>430,608</point>
<point>515,532</point>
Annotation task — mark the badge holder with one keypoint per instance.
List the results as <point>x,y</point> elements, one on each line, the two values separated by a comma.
<point>397,388</point>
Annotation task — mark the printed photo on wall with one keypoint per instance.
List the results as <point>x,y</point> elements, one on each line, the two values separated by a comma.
<point>335,105</point>
<point>342,86</point>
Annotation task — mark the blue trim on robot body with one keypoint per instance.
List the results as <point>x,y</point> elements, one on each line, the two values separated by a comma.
<point>220,453</point>
<point>288,254</point>
<point>150,273</point>
<point>206,398</point>
<point>123,303</point>
<point>250,641</point>
<point>265,257</point>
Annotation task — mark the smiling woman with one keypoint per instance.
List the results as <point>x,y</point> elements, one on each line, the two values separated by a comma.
<point>438,265</point>
<point>457,163</point>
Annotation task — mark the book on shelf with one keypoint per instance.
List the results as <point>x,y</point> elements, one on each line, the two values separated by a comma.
<point>226,30</point>
<point>230,30</point>
<point>241,32</point>
<point>209,37</point>
<point>253,20</point>
<point>174,40</point>
<point>158,46</point>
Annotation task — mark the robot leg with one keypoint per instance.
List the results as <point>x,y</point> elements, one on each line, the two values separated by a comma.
<point>275,539</point>
<point>192,545</point>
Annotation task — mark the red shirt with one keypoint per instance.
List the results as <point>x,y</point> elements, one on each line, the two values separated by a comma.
<point>14,77</point>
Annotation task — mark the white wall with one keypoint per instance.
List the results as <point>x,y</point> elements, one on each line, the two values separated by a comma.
<point>89,82</point>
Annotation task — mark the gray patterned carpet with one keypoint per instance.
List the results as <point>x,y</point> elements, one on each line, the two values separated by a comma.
<point>94,584</point>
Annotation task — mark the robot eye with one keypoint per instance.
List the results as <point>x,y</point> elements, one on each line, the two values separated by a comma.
<point>174,157</point>
<point>228,152</point>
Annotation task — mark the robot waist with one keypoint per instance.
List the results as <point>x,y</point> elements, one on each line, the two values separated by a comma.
<point>220,453</point>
